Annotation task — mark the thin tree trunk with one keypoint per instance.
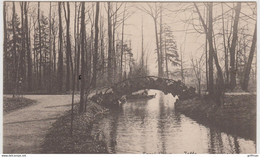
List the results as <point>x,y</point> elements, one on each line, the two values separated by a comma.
<point>95,55</point>
<point>157,48</point>
<point>102,46</point>
<point>50,51</point>
<point>110,70</point>
<point>166,59</point>
<point>14,52</point>
<point>40,48</point>
<point>122,44</point>
<point>219,91</point>
<point>83,35</point>
<point>54,55</point>
<point>247,68</point>
<point>208,30</point>
<point>6,68</point>
<point>60,58</point>
<point>22,69</point>
<point>225,48</point>
<point>28,46</point>
<point>233,47</point>
<point>142,57</point>
<point>78,45</point>
<point>182,70</point>
<point>161,49</point>
<point>114,66</point>
<point>68,45</point>
<point>35,60</point>
<point>211,51</point>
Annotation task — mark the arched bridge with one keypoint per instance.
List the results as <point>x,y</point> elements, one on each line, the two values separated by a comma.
<point>112,94</point>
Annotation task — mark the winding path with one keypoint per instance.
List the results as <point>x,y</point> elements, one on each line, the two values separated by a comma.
<point>24,129</point>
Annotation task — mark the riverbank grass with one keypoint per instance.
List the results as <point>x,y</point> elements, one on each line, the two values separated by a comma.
<point>12,104</point>
<point>83,140</point>
<point>236,116</point>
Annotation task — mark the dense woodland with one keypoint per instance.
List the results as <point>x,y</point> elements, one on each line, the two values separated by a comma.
<point>83,45</point>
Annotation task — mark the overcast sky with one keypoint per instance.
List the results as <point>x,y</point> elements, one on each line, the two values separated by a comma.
<point>188,40</point>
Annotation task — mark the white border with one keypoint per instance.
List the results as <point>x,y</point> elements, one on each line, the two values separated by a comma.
<point>157,155</point>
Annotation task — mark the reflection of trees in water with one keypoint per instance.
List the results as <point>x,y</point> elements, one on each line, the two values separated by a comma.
<point>234,144</point>
<point>216,143</point>
<point>113,120</point>
<point>237,148</point>
<point>161,122</point>
<point>138,108</point>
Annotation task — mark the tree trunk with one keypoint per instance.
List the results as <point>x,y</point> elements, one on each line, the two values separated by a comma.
<point>110,70</point>
<point>95,55</point>
<point>225,48</point>
<point>233,47</point>
<point>114,66</point>
<point>68,46</point>
<point>14,52</point>
<point>78,45</point>
<point>142,57</point>
<point>247,68</point>
<point>157,48</point>
<point>50,51</point>
<point>219,90</point>
<point>208,30</point>
<point>211,50</point>
<point>60,58</point>
<point>102,47</point>
<point>122,45</point>
<point>40,49</point>
<point>166,59</point>
<point>35,60</point>
<point>82,35</point>
<point>22,69</point>
<point>161,48</point>
<point>182,70</point>
<point>28,46</point>
<point>6,68</point>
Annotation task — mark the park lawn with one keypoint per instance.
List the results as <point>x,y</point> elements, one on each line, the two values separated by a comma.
<point>12,104</point>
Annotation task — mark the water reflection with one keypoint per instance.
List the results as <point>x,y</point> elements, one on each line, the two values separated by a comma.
<point>153,126</point>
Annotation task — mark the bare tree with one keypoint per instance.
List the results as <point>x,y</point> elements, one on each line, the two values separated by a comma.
<point>247,68</point>
<point>208,32</point>
<point>40,48</point>
<point>233,47</point>
<point>110,42</point>
<point>219,90</point>
<point>82,38</point>
<point>197,68</point>
<point>154,12</point>
<point>60,58</point>
<point>68,45</point>
<point>15,63</point>
<point>95,56</point>
<point>225,47</point>
<point>22,69</point>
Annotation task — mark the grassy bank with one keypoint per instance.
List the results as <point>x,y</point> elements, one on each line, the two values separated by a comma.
<point>12,104</point>
<point>236,116</point>
<point>83,140</point>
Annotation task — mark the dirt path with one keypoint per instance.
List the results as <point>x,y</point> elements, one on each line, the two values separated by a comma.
<point>24,129</point>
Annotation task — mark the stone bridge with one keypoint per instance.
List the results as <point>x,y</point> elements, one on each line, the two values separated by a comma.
<point>111,95</point>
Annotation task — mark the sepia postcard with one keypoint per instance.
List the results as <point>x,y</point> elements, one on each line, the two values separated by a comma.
<point>125,77</point>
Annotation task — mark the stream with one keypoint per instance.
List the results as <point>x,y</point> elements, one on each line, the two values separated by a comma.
<point>153,126</point>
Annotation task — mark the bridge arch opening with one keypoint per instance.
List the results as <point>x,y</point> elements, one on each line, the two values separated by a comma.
<point>141,95</point>
<point>114,93</point>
